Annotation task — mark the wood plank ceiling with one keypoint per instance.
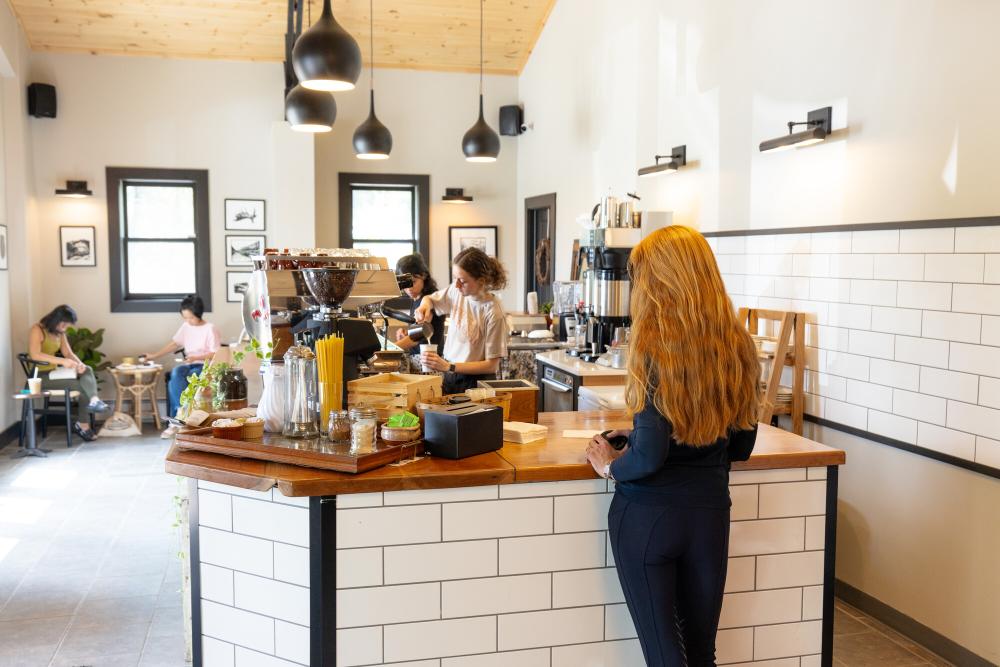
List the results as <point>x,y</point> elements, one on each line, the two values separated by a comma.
<point>412,34</point>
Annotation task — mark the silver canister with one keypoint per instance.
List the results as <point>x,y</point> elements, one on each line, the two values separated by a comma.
<point>609,212</point>
<point>625,210</point>
<point>612,297</point>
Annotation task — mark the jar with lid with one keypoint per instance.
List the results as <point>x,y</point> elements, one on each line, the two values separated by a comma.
<point>364,425</point>
<point>301,393</point>
<point>338,429</point>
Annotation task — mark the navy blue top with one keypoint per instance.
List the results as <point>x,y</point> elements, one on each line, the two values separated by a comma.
<point>658,470</point>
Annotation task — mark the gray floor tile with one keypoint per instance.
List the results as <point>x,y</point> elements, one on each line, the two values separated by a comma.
<point>167,622</point>
<point>41,605</point>
<point>104,660</point>
<point>116,610</point>
<point>34,633</point>
<point>163,652</point>
<point>111,639</point>
<point>126,586</point>
<point>26,657</point>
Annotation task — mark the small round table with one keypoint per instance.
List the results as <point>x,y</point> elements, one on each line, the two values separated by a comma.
<point>134,383</point>
<point>28,445</point>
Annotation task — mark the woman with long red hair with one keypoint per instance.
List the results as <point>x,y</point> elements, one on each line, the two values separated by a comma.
<point>693,393</point>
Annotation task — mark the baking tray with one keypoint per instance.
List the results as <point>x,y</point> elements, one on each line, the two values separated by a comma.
<point>312,452</point>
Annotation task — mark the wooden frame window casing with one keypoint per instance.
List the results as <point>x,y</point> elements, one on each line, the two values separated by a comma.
<point>420,185</point>
<point>122,301</point>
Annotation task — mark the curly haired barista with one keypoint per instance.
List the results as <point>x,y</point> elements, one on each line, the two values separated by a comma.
<point>477,333</point>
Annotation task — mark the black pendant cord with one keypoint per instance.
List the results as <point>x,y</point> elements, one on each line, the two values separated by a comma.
<point>482,4</point>
<point>371,49</point>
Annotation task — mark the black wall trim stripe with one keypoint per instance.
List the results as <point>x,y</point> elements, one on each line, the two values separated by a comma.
<point>913,449</point>
<point>9,434</point>
<point>194,562</point>
<point>829,563</point>
<point>918,632</point>
<point>323,581</point>
<point>985,221</point>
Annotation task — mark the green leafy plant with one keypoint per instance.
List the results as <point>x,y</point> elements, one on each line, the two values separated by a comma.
<point>262,352</point>
<point>85,344</point>
<point>547,307</point>
<point>208,378</point>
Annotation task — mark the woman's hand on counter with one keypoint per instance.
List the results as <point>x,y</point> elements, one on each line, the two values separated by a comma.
<point>434,360</point>
<point>601,454</point>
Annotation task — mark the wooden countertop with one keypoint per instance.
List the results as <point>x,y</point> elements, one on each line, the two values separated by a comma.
<point>556,458</point>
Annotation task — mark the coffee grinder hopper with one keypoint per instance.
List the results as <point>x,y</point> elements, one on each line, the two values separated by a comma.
<point>330,286</point>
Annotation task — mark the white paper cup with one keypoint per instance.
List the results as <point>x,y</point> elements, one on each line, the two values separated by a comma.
<point>34,386</point>
<point>427,347</point>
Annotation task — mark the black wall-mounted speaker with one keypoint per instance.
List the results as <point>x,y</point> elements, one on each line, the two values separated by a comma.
<point>41,100</point>
<point>511,119</point>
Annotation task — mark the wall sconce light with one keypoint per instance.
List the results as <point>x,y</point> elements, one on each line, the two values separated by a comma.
<point>678,158</point>
<point>74,189</point>
<point>456,196</point>
<point>819,122</point>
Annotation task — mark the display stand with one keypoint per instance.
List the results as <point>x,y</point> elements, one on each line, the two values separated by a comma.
<point>786,330</point>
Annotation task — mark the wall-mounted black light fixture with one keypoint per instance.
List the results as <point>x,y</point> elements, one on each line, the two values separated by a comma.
<point>372,139</point>
<point>325,56</point>
<point>481,143</point>
<point>74,189</point>
<point>677,159</point>
<point>819,123</point>
<point>456,196</point>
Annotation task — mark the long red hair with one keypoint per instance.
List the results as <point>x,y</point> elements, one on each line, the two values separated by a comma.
<point>689,352</point>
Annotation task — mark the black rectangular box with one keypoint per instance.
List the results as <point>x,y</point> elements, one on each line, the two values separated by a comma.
<point>458,431</point>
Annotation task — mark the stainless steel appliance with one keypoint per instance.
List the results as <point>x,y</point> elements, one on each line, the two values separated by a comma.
<point>558,390</point>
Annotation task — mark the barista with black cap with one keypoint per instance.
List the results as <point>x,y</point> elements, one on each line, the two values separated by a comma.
<point>423,284</point>
<point>477,330</point>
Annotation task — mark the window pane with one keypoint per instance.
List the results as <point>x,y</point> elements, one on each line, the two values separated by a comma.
<point>391,251</point>
<point>160,268</point>
<point>159,211</point>
<point>382,214</point>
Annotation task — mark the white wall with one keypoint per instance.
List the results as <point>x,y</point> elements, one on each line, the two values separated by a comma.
<point>15,206</point>
<point>909,82</point>
<point>913,98</point>
<point>146,112</point>
<point>427,113</point>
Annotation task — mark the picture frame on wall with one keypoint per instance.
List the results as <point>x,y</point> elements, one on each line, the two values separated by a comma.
<point>245,215</point>
<point>4,247</point>
<point>484,238</point>
<point>241,249</point>
<point>237,283</point>
<point>77,246</point>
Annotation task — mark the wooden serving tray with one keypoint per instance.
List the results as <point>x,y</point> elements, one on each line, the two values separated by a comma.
<point>313,453</point>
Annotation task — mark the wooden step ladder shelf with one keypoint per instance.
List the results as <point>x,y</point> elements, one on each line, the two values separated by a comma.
<point>790,350</point>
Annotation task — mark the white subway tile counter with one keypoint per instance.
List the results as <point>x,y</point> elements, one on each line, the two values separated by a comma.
<point>493,574</point>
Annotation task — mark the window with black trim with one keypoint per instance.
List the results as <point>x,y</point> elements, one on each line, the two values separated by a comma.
<point>158,232</point>
<point>385,213</point>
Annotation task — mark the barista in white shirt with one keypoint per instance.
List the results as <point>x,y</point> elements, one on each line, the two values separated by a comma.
<point>477,332</point>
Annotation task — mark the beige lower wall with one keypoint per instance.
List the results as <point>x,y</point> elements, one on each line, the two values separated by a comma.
<point>921,536</point>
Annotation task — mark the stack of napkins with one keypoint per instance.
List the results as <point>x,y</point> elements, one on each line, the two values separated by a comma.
<point>522,432</point>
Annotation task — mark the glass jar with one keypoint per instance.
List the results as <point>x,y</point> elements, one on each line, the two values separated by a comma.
<point>364,426</point>
<point>301,394</point>
<point>338,428</point>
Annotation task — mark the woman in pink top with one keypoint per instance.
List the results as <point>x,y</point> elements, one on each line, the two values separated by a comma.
<point>198,339</point>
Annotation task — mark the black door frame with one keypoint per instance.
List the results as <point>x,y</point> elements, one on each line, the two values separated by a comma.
<point>532,203</point>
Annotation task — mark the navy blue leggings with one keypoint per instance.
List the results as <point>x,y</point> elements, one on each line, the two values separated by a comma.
<point>671,562</point>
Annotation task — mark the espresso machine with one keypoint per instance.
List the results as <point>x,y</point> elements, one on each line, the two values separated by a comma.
<point>300,296</point>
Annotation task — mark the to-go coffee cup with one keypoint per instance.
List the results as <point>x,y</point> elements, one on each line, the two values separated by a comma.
<point>427,347</point>
<point>34,386</point>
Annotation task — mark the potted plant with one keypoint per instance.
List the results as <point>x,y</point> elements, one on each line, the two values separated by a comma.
<point>85,344</point>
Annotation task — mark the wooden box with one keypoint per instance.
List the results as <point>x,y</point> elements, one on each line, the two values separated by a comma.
<point>390,392</point>
<point>523,398</point>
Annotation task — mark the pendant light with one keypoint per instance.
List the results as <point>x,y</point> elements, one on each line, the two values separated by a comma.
<point>310,110</point>
<point>481,143</point>
<point>307,110</point>
<point>372,139</point>
<point>325,56</point>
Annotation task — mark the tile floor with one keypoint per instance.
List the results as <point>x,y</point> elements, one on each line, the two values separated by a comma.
<point>89,574</point>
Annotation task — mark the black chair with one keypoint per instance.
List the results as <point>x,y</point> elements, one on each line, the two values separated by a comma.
<point>64,408</point>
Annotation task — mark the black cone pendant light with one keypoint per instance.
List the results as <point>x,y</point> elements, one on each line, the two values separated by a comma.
<point>481,143</point>
<point>310,110</point>
<point>372,139</point>
<point>325,56</point>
